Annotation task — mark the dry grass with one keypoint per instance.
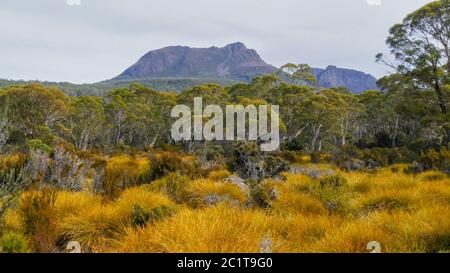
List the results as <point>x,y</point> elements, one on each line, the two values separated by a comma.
<point>206,192</point>
<point>404,212</point>
<point>216,229</point>
<point>219,175</point>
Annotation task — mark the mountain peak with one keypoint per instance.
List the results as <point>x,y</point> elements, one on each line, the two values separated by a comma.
<point>231,63</point>
<point>234,62</point>
<point>236,46</point>
<point>355,81</point>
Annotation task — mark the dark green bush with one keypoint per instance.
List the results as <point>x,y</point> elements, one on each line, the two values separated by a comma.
<point>274,165</point>
<point>169,162</point>
<point>38,144</point>
<point>174,185</point>
<point>141,216</point>
<point>12,242</point>
<point>434,160</point>
<point>335,182</point>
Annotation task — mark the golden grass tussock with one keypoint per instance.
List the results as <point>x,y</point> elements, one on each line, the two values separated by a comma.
<point>99,223</point>
<point>293,203</point>
<point>122,172</point>
<point>336,213</point>
<point>206,192</point>
<point>72,203</point>
<point>216,229</point>
<point>219,175</point>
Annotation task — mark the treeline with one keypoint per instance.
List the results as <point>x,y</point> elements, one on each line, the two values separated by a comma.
<point>313,120</point>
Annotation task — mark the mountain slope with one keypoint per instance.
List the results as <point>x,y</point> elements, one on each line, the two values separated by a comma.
<point>353,80</point>
<point>232,62</point>
<point>228,64</point>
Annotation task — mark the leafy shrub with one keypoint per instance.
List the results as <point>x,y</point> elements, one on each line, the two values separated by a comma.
<point>249,163</point>
<point>434,160</point>
<point>246,161</point>
<point>374,157</point>
<point>260,196</point>
<point>141,216</point>
<point>37,144</point>
<point>335,182</point>
<point>36,210</point>
<point>174,185</point>
<point>68,170</point>
<point>11,176</point>
<point>169,162</point>
<point>12,242</point>
<point>332,191</point>
<point>121,173</point>
<point>385,203</point>
<point>274,165</point>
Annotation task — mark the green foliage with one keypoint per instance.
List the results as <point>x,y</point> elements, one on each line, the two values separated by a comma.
<point>174,185</point>
<point>36,210</point>
<point>385,203</point>
<point>335,182</point>
<point>434,160</point>
<point>141,216</point>
<point>332,192</point>
<point>12,242</point>
<point>274,165</point>
<point>170,162</point>
<point>37,144</point>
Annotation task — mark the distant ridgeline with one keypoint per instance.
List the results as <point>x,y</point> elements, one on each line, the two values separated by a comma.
<point>177,68</point>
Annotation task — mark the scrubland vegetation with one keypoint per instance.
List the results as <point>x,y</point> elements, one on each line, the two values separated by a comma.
<point>352,168</point>
<point>309,208</point>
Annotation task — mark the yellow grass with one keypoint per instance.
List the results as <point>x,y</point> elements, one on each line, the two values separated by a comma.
<point>219,175</point>
<point>403,212</point>
<point>200,190</point>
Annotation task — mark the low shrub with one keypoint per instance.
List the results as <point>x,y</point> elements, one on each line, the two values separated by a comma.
<point>142,216</point>
<point>386,202</point>
<point>274,165</point>
<point>12,242</point>
<point>168,162</point>
<point>122,172</point>
<point>438,160</point>
<point>37,215</point>
<point>335,182</point>
<point>173,185</point>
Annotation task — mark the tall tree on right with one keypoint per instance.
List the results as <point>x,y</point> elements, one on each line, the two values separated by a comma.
<point>420,46</point>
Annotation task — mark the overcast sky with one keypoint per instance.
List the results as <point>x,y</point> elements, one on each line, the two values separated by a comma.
<point>97,40</point>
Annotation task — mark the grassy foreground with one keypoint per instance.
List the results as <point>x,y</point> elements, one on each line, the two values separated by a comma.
<point>295,213</point>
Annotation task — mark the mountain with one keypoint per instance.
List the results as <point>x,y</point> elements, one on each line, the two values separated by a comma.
<point>180,65</point>
<point>353,80</point>
<point>177,68</point>
<point>233,62</point>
